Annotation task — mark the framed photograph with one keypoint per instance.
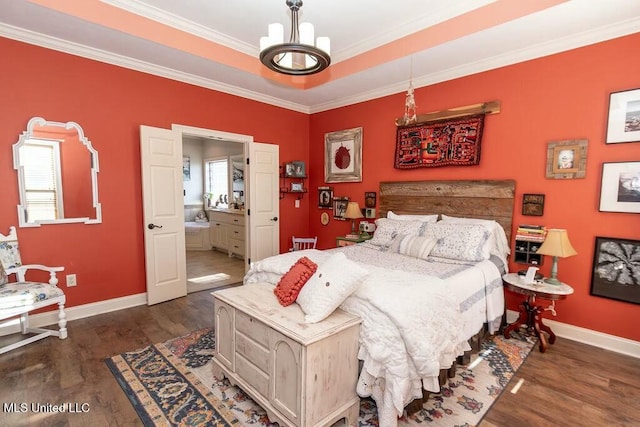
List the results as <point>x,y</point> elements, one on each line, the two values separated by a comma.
<point>623,124</point>
<point>567,159</point>
<point>533,204</point>
<point>186,168</point>
<point>340,207</point>
<point>616,272</point>
<point>369,199</point>
<point>620,187</point>
<point>343,156</point>
<point>325,197</point>
<point>295,169</point>
<point>369,212</point>
<point>296,187</point>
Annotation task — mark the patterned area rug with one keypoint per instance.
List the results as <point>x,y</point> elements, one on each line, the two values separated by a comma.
<point>172,383</point>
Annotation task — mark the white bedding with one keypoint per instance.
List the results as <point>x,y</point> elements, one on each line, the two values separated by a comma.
<point>417,317</point>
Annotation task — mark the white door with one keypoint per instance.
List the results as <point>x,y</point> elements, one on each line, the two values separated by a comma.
<point>163,213</point>
<point>264,201</point>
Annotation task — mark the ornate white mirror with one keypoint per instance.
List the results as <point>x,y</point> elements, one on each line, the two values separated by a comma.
<point>57,175</point>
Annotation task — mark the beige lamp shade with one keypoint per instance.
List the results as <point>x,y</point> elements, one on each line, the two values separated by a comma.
<point>557,244</point>
<point>353,211</point>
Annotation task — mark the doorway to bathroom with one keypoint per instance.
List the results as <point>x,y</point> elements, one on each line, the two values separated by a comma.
<point>214,198</point>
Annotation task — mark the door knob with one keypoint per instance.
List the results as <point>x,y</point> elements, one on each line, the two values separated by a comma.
<point>275,218</point>
<point>152,226</point>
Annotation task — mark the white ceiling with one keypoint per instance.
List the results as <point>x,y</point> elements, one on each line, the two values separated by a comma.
<point>354,26</point>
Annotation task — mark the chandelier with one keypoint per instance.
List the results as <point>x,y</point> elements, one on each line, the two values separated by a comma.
<point>300,56</point>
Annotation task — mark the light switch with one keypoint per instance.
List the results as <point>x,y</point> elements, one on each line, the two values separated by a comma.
<point>297,203</point>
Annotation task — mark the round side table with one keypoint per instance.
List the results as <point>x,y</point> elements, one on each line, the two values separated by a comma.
<point>530,313</point>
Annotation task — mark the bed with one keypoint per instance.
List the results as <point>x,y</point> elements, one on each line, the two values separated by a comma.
<point>427,287</point>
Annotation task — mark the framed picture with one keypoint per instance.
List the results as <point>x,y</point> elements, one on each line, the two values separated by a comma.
<point>369,212</point>
<point>620,187</point>
<point>296,187</point>
<point>533,204</point>
<point>343,156</point>
<point>623,124</point>
<point>567,159</point>
<point>325,197</point>
<point>616,272</point>
<point>369,199</point>
<point>340,207</point>
<point>295,169</point>
<point>186,168</point>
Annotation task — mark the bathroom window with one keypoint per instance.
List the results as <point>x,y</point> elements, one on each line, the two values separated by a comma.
<point>217,181</point>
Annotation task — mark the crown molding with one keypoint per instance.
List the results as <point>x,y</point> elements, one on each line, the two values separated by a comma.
<point>77,49</point>
<point>165,18</point>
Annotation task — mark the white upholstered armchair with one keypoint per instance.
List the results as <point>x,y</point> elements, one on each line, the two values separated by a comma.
<point>20,297</point>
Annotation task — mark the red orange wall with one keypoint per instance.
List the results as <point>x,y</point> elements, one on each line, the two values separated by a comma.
<point>110,103</point>
<point>564,96</point>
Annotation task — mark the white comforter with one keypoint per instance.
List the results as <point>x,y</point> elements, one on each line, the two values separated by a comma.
<point>412,328</point>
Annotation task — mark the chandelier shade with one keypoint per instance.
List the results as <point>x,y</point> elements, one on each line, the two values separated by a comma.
<point>300,56</point>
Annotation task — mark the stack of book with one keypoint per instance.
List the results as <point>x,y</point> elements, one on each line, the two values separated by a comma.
<point>531,233</point>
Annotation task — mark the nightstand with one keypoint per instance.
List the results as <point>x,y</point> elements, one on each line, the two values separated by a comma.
<point>348,241</point>
<point>530,313</point>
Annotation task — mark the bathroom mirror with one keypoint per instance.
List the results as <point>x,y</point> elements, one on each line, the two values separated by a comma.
<point>57,175</point>
<point>237,172</point>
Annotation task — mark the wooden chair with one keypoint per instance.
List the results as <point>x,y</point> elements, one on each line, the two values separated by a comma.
<point>19,298</point>
<point>301,243</point>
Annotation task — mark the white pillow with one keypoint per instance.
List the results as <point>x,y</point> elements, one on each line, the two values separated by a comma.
<point>387,230</point>
<point>465,242</point>
<point>501,247</point>
<point>413,246</point>
<point>424,218</point>
<point>334,280</point>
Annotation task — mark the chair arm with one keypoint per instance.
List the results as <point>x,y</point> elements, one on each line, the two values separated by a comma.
<point>22,270</point>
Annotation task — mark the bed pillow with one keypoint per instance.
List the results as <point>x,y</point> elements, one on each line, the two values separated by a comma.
<point>413,246</point>
<point>424,218</point>
<point>334,280</point>
<point>501,243</point>
<point>465,242</point>
<point>387,230</point>
<point>292,281</point>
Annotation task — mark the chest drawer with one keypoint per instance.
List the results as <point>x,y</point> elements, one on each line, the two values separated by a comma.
<point>252,328</point>
<point>236,232</point>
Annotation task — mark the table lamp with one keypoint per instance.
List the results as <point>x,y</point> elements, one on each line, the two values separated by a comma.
<point>353,212</point>
<point>556,244</point>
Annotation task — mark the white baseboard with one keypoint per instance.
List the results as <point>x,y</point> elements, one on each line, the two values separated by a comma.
<point>78,312</point>
<point>575,333</point>
<point>588,336</point>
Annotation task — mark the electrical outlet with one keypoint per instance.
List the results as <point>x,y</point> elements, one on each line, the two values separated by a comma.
<point>71,280</point>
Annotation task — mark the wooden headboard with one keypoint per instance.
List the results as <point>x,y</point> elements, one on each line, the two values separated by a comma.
<point>486,199</point>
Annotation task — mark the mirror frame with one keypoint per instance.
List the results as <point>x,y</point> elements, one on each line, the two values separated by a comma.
<point>95,168</point>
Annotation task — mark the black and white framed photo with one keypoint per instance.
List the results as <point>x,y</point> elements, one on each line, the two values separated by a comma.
<point>325,197</point>
<point>340,207</point>
<point>623,124</point>
<point>295,169</point>
<point>620,187</point>
<point>616,271</point>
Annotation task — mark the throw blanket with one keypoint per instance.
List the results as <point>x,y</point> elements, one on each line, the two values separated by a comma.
<point>411,329</point>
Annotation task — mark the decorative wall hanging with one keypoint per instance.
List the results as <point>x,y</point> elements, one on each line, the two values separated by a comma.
<point>624,117</point>
<point>616,272</point>
<point>343,156</point>
<point>533,204</point>
<point>567,159</point>
<point>340,207</point>
<point>451,142</point>
<point>325,197</point>
<point>620,188</point>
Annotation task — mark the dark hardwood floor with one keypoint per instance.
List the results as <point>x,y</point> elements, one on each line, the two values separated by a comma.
<point>572,384</point>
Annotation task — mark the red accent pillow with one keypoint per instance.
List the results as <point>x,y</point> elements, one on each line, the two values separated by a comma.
<point>289,286</point>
